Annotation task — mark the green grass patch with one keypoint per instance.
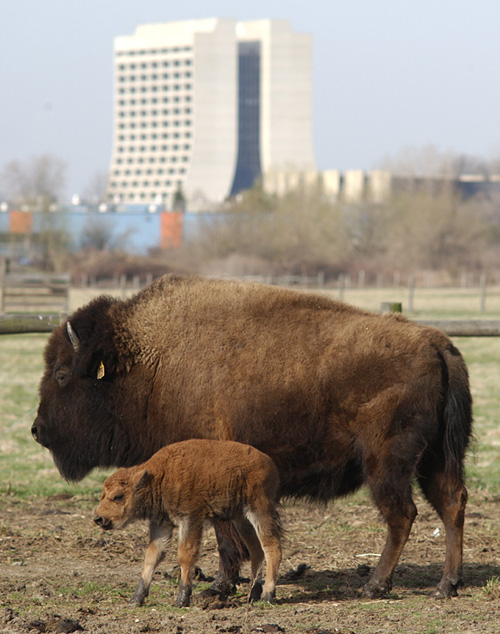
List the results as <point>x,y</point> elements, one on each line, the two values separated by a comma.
<point>27,470</point>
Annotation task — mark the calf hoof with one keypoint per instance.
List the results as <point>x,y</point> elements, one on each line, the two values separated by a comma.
<point>139,595</point>
<point>255,592</point>
<point>184,596</point>
<point>135,600</point>
<point>376,589</point>
<point>268,597</point>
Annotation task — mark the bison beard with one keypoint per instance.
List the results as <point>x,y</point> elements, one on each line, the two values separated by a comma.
<point>336,396</point>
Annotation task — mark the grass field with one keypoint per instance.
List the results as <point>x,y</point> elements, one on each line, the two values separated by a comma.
<point>21,364</point>
<point>37,507</point>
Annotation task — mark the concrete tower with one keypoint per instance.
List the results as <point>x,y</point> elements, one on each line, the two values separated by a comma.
<point>204,108</point>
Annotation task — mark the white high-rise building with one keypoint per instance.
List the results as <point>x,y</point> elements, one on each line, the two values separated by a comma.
<point>207,107</point>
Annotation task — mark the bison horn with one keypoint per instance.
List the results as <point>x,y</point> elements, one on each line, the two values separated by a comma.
<point>75,342</point>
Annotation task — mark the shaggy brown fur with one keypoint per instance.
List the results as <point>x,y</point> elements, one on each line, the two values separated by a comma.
<point>336,396</point>
<point>187,483</point>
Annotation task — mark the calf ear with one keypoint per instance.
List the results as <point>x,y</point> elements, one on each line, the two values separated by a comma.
<point>143,480</point>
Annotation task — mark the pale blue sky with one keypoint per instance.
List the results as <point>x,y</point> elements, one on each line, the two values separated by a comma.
<point>388,74</point>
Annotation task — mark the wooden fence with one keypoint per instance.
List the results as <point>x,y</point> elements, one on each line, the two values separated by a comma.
<point>22,323</point>
<point>33,292</point>
<point>39,302</point>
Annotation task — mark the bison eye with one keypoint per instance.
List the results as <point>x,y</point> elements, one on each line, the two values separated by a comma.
<point>118,498</point>
<point>62,376</point>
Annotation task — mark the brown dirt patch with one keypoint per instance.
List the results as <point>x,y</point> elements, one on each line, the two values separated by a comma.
<point>59,573</point>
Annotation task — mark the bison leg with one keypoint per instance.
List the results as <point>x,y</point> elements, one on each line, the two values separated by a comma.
<point>251,541</point>
<point>448,496</point>
<point>232,553</point>
<point>399,511</point>
<point>159,537</point>
<point>190,534</point>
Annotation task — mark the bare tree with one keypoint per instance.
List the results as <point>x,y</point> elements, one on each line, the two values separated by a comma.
<point>301,232</point>
<point>420,162</point>
<point>95,191</point>
<point>38,182</point>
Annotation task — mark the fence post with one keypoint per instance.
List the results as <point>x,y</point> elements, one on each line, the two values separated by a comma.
<point>2,281</point>
<point>361,278</point>
<point>482,284</point>
<point>411,292</point>
<point>341,286</point>
<point>391,307</point>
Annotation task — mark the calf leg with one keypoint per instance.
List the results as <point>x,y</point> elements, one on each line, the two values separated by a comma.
<point>159,537</point>
<point>448,495</point>
<point>190,533</point>
<point>265,521</point>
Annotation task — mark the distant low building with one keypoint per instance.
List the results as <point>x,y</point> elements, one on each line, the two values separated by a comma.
<point>377,186</point>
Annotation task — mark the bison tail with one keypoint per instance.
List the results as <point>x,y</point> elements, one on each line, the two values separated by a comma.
<point>457,414</point>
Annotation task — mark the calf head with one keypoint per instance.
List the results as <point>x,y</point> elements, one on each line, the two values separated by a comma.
<point>122,499</point>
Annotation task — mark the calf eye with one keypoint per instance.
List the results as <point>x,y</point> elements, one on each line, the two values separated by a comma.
<point>118,498</point>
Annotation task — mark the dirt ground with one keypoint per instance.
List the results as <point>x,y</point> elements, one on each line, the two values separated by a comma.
<point>60,573</point>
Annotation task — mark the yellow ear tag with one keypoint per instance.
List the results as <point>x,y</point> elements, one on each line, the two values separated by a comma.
<point>100,371</point>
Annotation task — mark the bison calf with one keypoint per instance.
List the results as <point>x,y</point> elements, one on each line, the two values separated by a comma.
<point>185,484</point>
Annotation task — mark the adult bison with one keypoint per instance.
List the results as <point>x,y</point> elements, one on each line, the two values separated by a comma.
<point>336,396</point>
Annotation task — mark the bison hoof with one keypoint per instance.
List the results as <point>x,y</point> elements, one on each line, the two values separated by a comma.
<point>184,596</point>
<point>375,589</point>
<point>223,585</point>
<point>255,592</point>
<point>446,589</point>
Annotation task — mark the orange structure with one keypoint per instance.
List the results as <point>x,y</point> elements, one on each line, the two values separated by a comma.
<point>20,222</point>
<point>171,229</point>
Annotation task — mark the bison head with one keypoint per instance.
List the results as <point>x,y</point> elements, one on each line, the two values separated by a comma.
<point>122,498</point>
<point>82,395</point>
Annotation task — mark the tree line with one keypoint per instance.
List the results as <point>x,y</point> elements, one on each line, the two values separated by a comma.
<point>303,232</point>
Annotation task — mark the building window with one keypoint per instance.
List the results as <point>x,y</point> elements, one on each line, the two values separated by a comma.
<point>248,168</point>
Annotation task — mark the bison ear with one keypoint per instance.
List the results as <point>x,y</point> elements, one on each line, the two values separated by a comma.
<point>143,480</point>
<point>96,363</point>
